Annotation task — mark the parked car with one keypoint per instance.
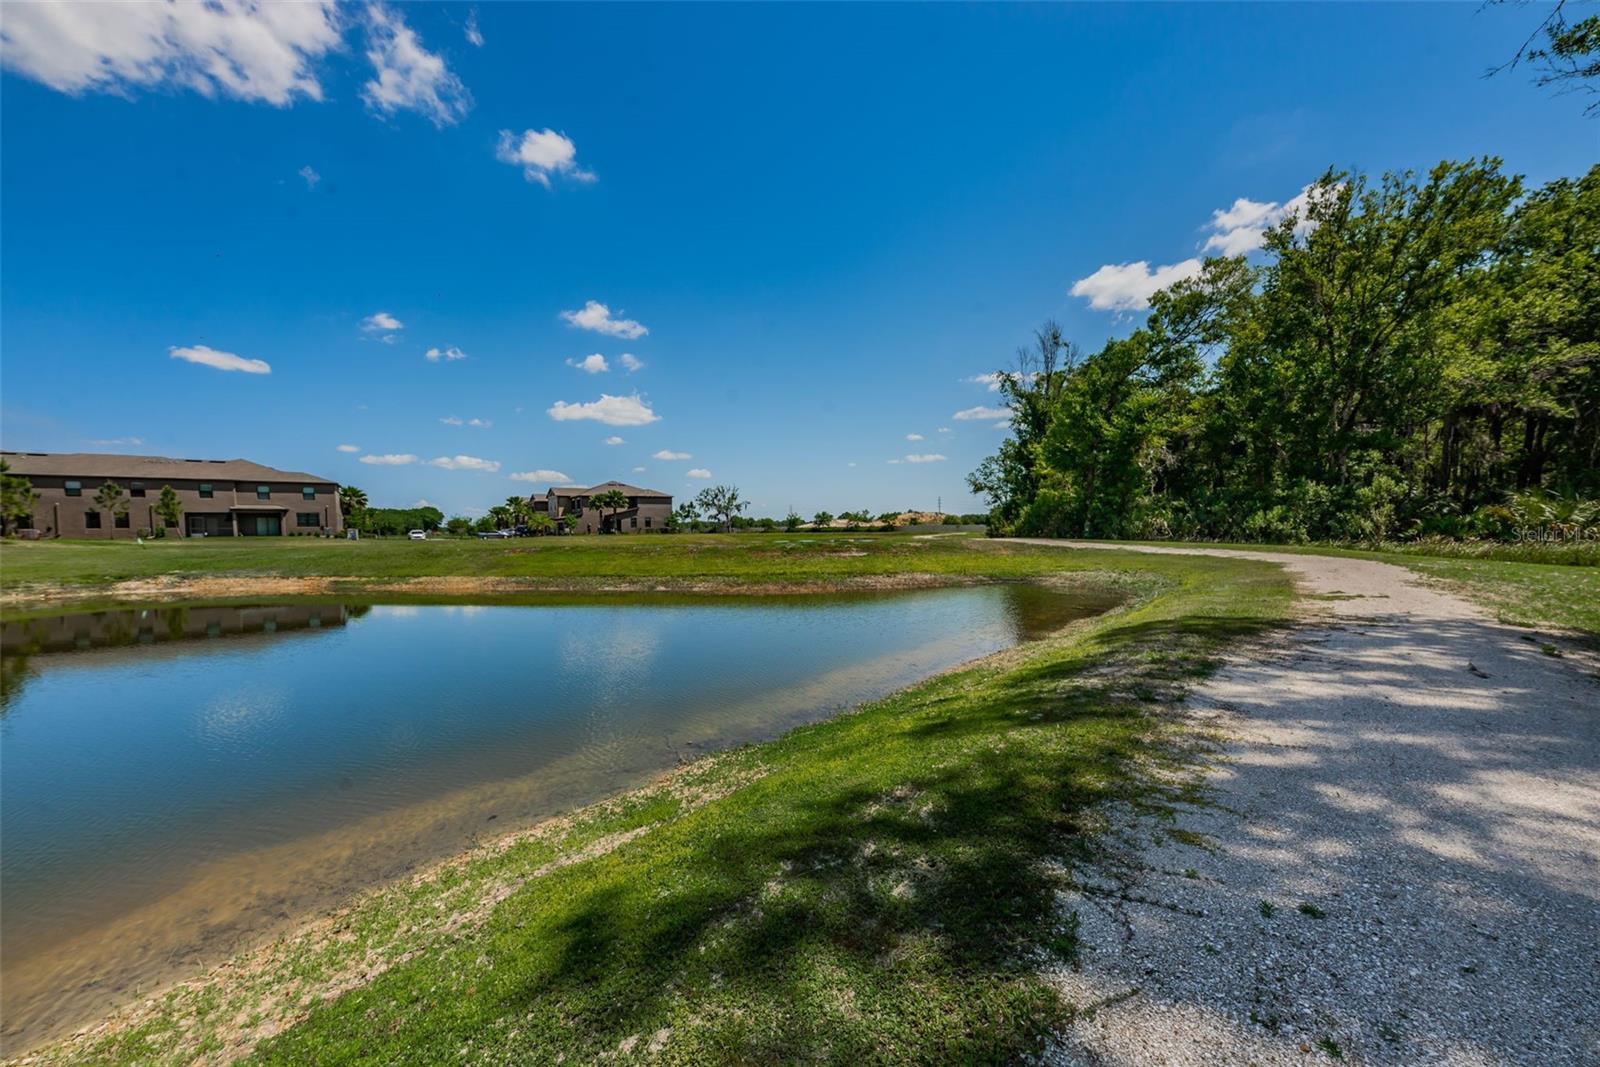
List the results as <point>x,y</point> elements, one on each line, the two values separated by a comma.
<point>495,535</point>
<point>418,535</point>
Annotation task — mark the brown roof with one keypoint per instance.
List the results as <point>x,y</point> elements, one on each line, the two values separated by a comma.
<point>151,468</point>
<point>630,490</point>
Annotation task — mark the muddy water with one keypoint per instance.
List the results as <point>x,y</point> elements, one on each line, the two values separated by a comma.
<point>176,783</point>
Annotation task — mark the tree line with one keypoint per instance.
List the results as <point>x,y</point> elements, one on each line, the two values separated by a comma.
<point>1410,356</point>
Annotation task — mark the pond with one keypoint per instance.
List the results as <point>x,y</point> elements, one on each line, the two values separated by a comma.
<point>177,781</point>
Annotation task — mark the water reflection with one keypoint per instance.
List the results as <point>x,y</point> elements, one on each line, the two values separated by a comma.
<point>178,780</point>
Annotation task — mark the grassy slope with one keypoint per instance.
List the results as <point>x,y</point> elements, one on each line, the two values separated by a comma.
<point>871,888</point>
<point>753,557</point>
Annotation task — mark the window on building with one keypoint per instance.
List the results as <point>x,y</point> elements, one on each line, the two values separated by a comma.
<point>633,521</point>
<point>308,492</point>
<point>120,520</point>
<point>307,518</point>
<point>205,490</point>
<point>74,488</point>
<point>263,492</point>
<point>647,522</point>
<point>91,520</point>
<point>136,489</point>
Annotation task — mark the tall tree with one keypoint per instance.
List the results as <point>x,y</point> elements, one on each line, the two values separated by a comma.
<point>113,498</point>
<point>169,509</point>
<point>613,500</point>
<point>721,503</point>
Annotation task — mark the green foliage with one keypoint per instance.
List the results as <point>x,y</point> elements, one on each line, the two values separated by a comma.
<point>721,503</point>
<point>111,497</point>
<point>17,499</point>
<point>459,525</point>
<point>169,509</point>
<point>822,519</point>
<point>1413,355</point>
<point>392,522</point>
<point>792,521</point>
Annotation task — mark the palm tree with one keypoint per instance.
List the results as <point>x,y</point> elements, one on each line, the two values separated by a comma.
<point>541,523</point>
<point>615,499</point>
<point>352,502</point>
<point>501,516</point>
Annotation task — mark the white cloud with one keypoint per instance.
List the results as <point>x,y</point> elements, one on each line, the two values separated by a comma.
<point>451,354</point>
<point>597,317</point>
<point>310,175</point>
<point>406,76</point>
<point>699,472</point>
<point>392,459</point>
<point>210,357</point>
<point>349,448</point>
<point>1242,228</point>
<point>944,429</point>
<point>423,503</point>
<point>991,380</point>
<point>236,48</point>
<point>465,463</point>
<point>615,440</point>
<point>474,35</point>
<point>981,413</point>
<point>542,476</point>
<point>852,463</point>
<point>667,453</point>
<point>1129,286</point>
<point>594,363</point>
<point>611,410</point>
<point>541,154</point>
<point>913,437</point>
<point>638,470</point>
<point>925,457</point>
<point>118,442</point>
<point>480,424</point>
<point>379,321</point>
<point>631,362</point>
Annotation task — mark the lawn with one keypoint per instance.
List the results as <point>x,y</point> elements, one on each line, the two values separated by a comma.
<point>880,887</point>
<point>756,556</point>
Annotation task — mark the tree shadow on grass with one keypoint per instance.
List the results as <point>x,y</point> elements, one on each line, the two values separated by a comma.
<point>886,892</point>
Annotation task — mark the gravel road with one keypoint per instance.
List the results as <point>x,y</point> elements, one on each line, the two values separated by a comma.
<point>1403,861</point>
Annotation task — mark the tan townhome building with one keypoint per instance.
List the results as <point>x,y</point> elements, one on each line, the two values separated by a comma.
<point>219,497</point>
<point>647,512</point>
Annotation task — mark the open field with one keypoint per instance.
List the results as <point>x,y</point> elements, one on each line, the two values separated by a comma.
<point>36,574</point>
<point>880,886</point>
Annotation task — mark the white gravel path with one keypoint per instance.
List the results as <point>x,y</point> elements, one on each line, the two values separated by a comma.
<point>1427,782</point>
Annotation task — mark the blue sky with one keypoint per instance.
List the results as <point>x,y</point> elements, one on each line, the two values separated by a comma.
<point>808,226</point>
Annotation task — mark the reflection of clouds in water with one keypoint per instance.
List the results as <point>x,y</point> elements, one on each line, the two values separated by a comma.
<point>462,609</point>
<point>233,717</point>
<point>612,665</point>
<point>396,611</point>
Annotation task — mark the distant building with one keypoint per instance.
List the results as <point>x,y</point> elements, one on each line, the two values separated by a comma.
<point>219,497</point>
<point>647,512</point>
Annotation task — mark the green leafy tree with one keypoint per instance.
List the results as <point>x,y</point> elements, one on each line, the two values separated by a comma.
<point>822,520</point>
<point>169,509</point>
<point>685,516</point>
<point>721,503</point>
<point>792,521</point>
<point>458,525</point>
<point>112,497</point>
<point>541,523</point>
<point>17,499</point>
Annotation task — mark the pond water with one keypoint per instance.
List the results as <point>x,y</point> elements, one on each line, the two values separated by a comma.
<point>176,781</point>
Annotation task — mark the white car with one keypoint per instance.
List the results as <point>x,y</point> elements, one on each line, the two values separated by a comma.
<point>418,535</point>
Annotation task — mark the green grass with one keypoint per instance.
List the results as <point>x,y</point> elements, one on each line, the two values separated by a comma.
<point>877,888</point>
<point>743,557</point>
<point>1562,596</point>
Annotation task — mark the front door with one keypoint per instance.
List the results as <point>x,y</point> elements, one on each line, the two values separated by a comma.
<point>269,526</point>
